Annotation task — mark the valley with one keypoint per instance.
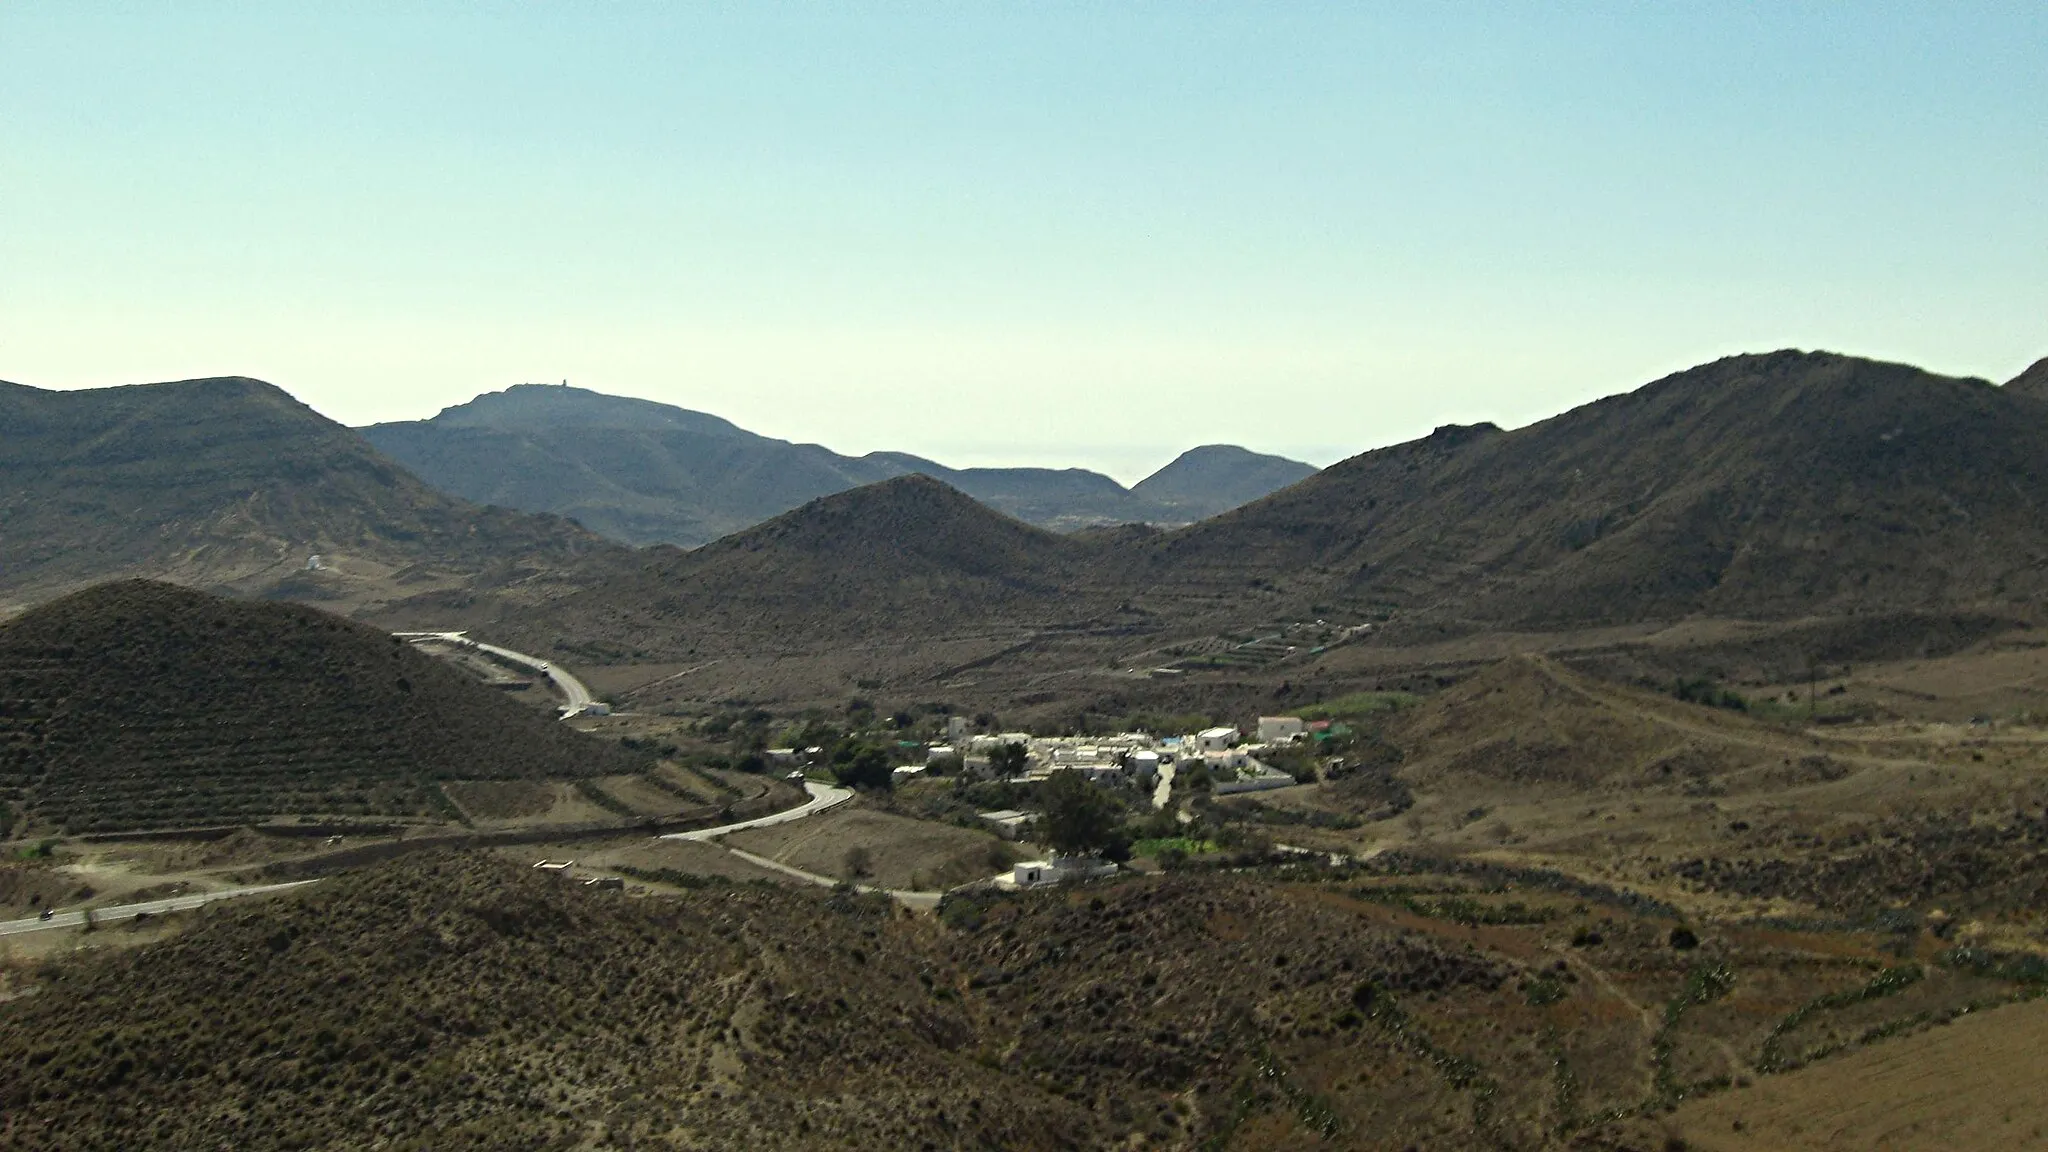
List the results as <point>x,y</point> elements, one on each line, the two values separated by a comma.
<point>1630,787</point>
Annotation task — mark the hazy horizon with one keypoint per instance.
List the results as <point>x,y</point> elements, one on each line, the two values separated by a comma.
<point>1056,236</point>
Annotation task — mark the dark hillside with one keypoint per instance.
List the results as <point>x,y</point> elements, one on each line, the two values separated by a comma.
<point>656,485</point>
<point>2033,382</point>
<point>647,473</point>
<point>902,561</point>
<point>138,704</point>
<point>469,1004</point>
<point>227,481</point>
<point>1206,481</point>
<point>1768,486</point>
<point>451,1004</point>
<point>529,407</point>
<point>1062,499</point>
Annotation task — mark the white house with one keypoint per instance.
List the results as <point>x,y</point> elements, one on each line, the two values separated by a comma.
<point>1058,870</point>
<point>1143,764</point>
<point>1280,729</point>
<point>1216,739</point>
<point>1009,823</point>
<point>1226,760</point>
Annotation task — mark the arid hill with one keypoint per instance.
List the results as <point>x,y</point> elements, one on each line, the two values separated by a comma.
<point>231,482</point>
<point>869,574</point>
<point>145,705</point>
<point>453,1003</point>
<point>647,473</point>
<point>1532,727</point>
<point>1765,487</point>
<point>1213,479</point>
<point>456,1004</point>
<point>1835,496</point>
<point>636,471</point>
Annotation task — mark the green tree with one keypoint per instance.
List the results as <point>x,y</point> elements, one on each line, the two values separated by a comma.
<point>1006,760</point>
<point>859,764</point>
<point>1079,818</point>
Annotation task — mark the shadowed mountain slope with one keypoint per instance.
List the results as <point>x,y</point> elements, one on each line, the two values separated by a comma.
<point>1764,486</point>
<point>140,704</point>
<point>2033,382</point>
<point>229,482</point>
<point>1213,479</point>
<point>646,473</point>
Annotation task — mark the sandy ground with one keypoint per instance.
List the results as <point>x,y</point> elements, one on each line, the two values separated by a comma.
<point>647,853</point>
<point>1975,1083</point>
<point>902,852</point>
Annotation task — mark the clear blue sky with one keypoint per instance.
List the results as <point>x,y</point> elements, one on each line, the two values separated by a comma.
<point>1031,233</point>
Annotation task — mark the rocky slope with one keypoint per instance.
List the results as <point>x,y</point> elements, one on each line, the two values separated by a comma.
<point>467,1003</point>
<point>1769,486</point>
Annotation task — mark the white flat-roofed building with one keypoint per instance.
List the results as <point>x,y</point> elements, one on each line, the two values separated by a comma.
<point>1280,729</point>
<point>1216,739</point>
<point>1008,823</point>
<point>1058,870</point>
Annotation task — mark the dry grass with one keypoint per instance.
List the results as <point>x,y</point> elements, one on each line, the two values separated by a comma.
<point>901,852</point>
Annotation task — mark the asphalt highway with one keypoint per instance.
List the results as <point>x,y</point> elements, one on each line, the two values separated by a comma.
<point>823,796</point>
<point>575,697</point>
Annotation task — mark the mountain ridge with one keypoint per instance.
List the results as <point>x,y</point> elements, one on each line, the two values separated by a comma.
<point>1730,488</point>
<point>232,482</point>
<point>1767,487</point>
<point>643,473</point>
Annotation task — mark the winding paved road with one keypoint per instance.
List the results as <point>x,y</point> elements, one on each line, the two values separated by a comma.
<point>183,903</point>
<point>575,697</point>
<point>823,796</point>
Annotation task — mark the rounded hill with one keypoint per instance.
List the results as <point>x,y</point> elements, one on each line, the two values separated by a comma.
<point>145,705</point>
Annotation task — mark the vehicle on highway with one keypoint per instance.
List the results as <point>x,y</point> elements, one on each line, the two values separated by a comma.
<point>47,914</point>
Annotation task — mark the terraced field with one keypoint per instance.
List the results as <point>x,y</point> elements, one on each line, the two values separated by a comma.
<point>141,705</point>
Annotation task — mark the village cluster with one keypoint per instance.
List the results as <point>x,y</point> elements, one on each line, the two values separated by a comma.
<point>1133,760</point>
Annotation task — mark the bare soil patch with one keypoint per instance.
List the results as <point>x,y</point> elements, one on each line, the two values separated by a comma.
<point>1973,1084</point>
<point>898,851</point>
